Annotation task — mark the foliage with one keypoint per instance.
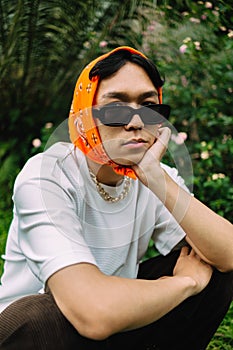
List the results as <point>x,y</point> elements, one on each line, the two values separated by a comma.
<point>195,55</point>
<point>223,338</point>
<point>43,47</point>
<point>5,218</point>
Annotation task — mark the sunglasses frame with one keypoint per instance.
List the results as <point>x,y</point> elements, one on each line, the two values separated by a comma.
<point>99,113</point>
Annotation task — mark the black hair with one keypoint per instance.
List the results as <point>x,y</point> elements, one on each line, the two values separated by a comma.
<point>111,64</point>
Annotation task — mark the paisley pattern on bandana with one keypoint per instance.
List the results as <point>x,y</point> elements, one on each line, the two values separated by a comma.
<point>82,128</point>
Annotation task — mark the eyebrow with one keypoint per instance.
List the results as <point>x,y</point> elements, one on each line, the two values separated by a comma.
<point>126,97</point>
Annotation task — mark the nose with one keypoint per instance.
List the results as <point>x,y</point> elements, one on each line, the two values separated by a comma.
<point>135,123</point>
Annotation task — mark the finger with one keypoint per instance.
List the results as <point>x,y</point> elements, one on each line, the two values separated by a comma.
<point>198,257</point>
<point>160,146</point>
<point>184,251</point>
<point>192,252</point>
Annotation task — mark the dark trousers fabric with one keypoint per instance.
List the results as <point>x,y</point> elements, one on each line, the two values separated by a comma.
<point>35,322</point>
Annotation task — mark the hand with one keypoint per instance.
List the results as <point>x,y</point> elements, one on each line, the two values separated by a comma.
<point>150,163</point>
<point>191,265</point>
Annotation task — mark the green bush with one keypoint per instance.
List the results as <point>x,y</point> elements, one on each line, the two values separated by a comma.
<point>194,51</point>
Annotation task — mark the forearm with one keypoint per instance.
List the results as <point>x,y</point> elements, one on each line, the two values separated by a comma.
<point>104,305</point>
<point>210,233</point>
<point>143,302</point>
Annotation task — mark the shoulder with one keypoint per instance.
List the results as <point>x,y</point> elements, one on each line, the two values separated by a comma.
<point>50,163</point>
<point>174,174</point>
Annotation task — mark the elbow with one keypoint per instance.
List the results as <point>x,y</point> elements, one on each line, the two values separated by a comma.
<point>94,331</point>
<point>223,263</point>
<point>95,325</point>
<point>226,268</point>
<point>229,267</point>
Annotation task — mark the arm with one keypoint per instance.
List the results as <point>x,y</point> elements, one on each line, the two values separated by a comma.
<point>51,239</point>
<point>208,233</point>
<point>99,306</point>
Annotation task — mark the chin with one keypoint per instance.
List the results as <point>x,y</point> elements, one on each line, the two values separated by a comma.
<point>127,162</point>
<point>129,158</point>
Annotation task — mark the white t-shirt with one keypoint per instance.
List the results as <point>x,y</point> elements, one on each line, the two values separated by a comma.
<point>60,219</point>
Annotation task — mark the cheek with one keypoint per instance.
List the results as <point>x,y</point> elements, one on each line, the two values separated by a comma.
<point>153,132</point>
<point>107,133</point>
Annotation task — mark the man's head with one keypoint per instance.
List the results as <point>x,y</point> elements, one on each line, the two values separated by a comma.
<point>117,59</point>
<point>122,70</point>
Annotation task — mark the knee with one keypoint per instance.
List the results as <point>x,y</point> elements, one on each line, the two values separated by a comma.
<point>30,321</point>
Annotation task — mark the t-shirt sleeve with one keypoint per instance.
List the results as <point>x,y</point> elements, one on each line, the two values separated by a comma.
<point>50,230</point>
<point>167,232</point>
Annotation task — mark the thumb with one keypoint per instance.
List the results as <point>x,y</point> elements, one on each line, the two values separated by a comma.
<point>160,146</point>
<point>151,159</point>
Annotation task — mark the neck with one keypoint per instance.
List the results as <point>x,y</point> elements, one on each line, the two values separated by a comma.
<point>104,173</point>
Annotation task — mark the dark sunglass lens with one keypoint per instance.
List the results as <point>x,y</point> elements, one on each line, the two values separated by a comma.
<point>150,115</point>
<point>118,115</point>
<point>155,114</point>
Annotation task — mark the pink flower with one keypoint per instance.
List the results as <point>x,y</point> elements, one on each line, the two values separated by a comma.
<point>36,143</point>
<point>208,5</point>
<point>205,155</point>
<point>197,45</point>
<point>182,135</point>
<point>218,176</point>
<point>216,13</point>
<point>194,20</point>
<point>151,28</point>
<point>230,34</point>
<point>103,43</point>
<point>184,80</point>
<point>48,125</point>
<point>223,28</point>
<point>179,138</point>
<point>183,48</point>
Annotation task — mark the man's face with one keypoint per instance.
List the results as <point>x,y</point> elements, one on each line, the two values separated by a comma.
<point>126,145</point>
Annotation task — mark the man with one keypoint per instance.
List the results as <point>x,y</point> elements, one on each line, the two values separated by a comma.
<point>84,215</point>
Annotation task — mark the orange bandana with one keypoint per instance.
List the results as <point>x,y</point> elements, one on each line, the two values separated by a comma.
<point>82,128</point>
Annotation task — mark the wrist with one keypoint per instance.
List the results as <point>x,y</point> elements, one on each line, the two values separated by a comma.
<point>157,183</point>
<point>188,284</point>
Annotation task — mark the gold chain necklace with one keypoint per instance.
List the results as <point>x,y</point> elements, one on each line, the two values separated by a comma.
<point>105,195</point>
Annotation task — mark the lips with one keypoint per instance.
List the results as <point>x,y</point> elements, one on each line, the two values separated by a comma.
<point>135,141</point>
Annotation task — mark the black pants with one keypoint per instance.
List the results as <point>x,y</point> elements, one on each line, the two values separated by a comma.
<point>35,322</point>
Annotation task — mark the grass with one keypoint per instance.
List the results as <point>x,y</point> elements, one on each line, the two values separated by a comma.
<point>223,338</point>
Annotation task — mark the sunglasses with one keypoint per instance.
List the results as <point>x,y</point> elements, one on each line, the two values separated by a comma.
<point>120,115</point>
